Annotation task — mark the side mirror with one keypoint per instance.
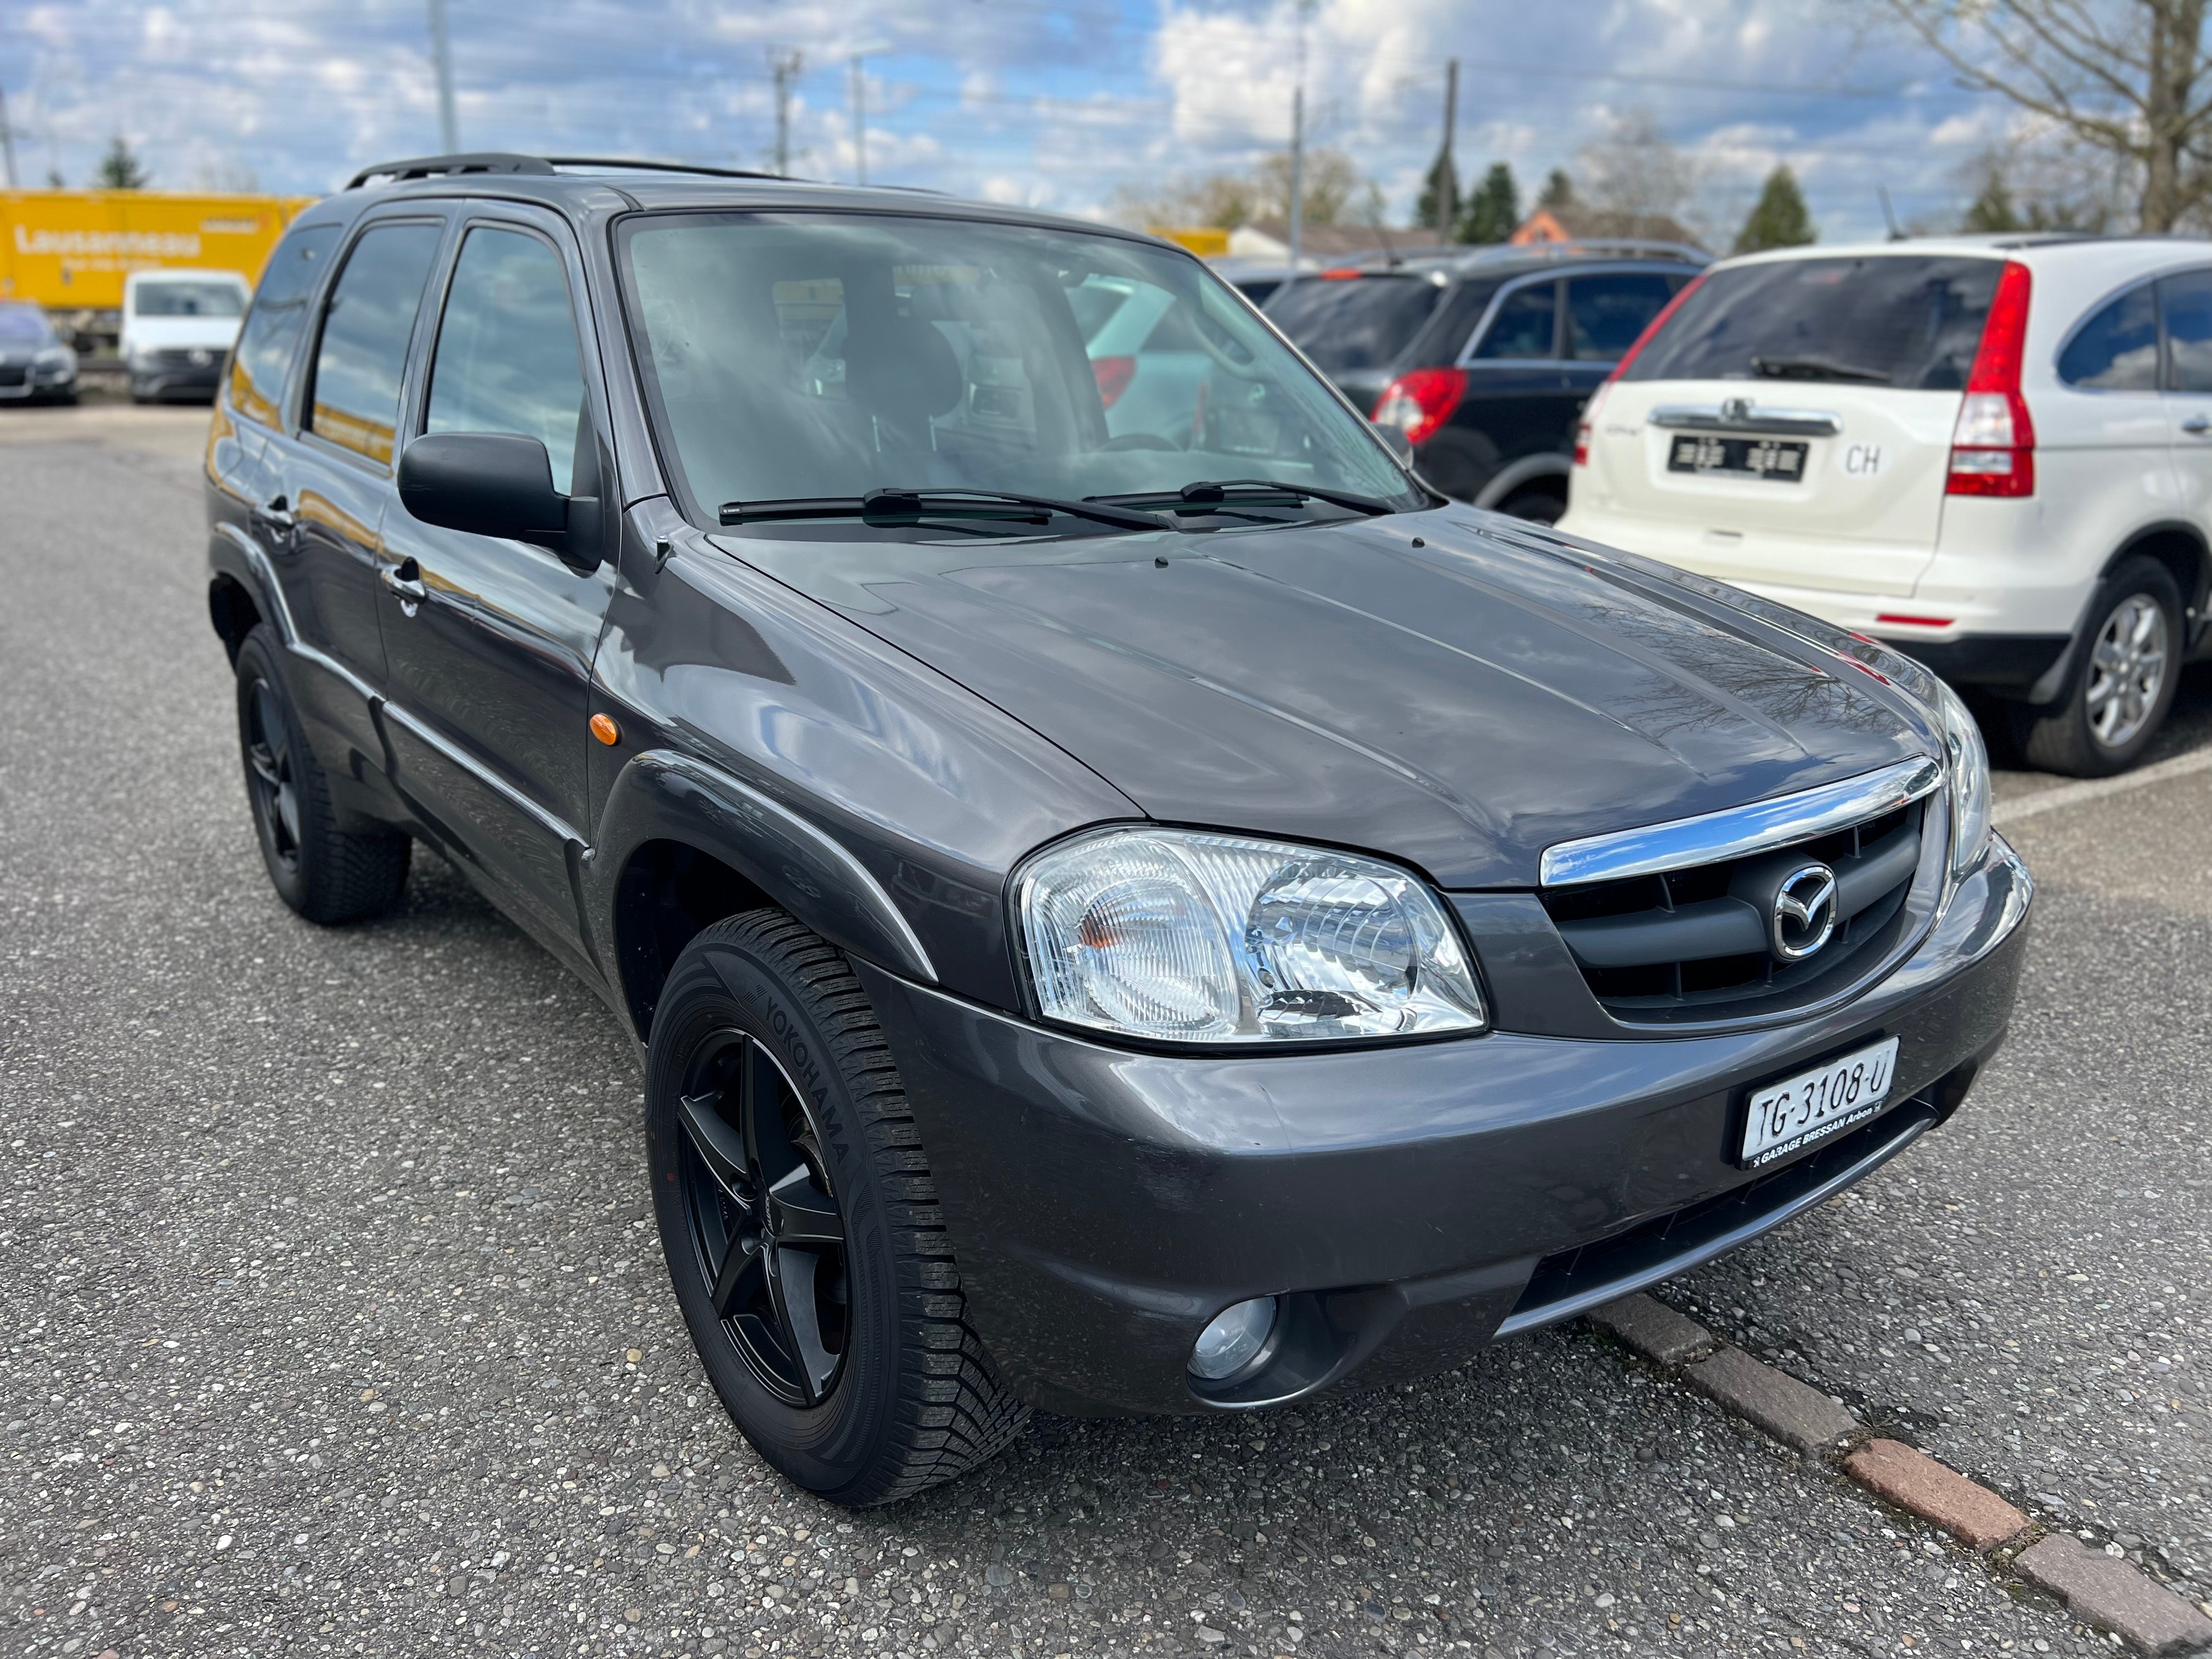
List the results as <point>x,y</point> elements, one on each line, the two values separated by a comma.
<point>1398,444</point>
<point>497,484</point>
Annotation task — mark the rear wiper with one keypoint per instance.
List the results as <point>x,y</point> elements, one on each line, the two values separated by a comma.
<point>1814,368</point>
<point>906,506</point>
<point>1210,496</point>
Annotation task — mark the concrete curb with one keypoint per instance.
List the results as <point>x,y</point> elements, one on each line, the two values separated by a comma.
<point>2097,1590</point>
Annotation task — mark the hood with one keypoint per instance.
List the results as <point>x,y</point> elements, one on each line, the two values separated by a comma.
<point>1461,705</point>
<point>169,333</point>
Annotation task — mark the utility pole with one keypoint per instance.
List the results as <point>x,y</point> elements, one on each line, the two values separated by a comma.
<point>442,52</point>
<point>1298,142</point>
<point>1448,187</point>
<point>785,67</point>
<point>8,140</point>
<point>865,50</point>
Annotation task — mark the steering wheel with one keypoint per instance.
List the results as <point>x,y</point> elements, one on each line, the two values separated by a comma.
<point>1138,440</point>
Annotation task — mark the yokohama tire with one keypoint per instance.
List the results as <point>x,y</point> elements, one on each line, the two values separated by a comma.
<point>908,1397</point>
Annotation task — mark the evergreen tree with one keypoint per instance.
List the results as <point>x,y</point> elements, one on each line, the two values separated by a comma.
<point>1493,212</point>
<point>1779,219</point>
<point>120,170</point>
<point>1993,210</point>
<point>1429,211</point>
<point>1559,190</point>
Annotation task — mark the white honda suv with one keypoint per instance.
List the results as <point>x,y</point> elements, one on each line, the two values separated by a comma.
<point>1993,453</point>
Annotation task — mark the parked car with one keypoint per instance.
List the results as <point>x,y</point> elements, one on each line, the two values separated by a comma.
<point>178,328</point>
<point>1255,279</point>
<point>1148,366</point>
<point>1122,928</point>
<point>1483,359</point>
<point>36,364</point>
<point>1993,453</point>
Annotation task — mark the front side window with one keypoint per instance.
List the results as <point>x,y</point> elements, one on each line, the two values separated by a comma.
<point>184,299</point>
<point>1525,324</point>
<point>365,327</point>
<point>1352,323</point>
<point>2187,302</point>
<point>507,358</point>
<point>263,358</point>
<point>827,356</point>
<point>1911,321</point>
<point>1606,314</point>
<point>2117,349</point>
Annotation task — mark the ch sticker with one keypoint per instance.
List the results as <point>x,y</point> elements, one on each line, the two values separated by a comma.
<point>1862,460</point>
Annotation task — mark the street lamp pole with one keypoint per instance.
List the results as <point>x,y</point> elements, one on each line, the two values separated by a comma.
<point>859,94</point>
<point>441,52</point>
<point>1298,142</point>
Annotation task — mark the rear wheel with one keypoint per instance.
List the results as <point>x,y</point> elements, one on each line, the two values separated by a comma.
<point>2123,683</point>
<point>1544,506</point>
<point>326,873</point>
<point>800,1224</point>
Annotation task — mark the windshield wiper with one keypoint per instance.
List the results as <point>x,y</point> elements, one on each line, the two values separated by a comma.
<point>906,506</point>
<point>1213,495</point>
<point>1814,368</point>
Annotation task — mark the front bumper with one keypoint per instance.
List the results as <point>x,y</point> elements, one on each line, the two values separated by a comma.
<point>162,377</point>
<point>1408,1204</point>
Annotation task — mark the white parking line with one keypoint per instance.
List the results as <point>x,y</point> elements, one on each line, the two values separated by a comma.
<point>2071,794</point>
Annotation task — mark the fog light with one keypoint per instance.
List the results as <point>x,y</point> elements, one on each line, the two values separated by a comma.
<point>1237,1333</point>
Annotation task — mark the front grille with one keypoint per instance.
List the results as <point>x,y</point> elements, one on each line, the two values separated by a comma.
<point>1697,943</point>
<point>14,374</point>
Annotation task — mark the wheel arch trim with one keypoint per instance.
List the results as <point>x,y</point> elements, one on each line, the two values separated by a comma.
<point>1529,468</point>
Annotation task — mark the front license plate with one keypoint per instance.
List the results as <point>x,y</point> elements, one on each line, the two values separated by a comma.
<point>1784,1118</point>
<point>1779,458</point>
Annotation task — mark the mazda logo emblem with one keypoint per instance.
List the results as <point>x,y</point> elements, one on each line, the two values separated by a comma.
<point>1804,916</point>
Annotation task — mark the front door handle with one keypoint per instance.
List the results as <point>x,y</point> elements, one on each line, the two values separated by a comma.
<point>274,515</point>
<point>2197,425</point>
<point>405,580</point>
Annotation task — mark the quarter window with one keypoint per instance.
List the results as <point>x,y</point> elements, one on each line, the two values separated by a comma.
<point>1526,322</point>
<point>366,328</point>
<point>2187,302</point>
<point>2117,349</point>
<point>263,358</point>
<point>1606,314</point>
<point>507,359</point>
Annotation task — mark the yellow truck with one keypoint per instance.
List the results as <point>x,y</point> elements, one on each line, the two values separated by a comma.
<point>70,250</point>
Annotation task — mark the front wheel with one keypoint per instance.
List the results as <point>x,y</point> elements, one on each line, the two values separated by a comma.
<point>2118,693</point>
<point>800,1223</point>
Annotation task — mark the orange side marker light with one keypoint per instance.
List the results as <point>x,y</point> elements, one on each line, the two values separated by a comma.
<point>605,730</point>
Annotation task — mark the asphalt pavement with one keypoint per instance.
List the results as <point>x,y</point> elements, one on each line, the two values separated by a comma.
<point>336,1323</point>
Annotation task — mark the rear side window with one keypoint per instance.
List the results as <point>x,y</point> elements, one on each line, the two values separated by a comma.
<point>507,360</point>
<point>366,328</point>
<point>1360,322</point>
<point>2117,349</point>
<point>263,357</point>
<point>2187,302</point>
<point>1606,314</point>
<point>1526,326</point>
<point>1907,320</point>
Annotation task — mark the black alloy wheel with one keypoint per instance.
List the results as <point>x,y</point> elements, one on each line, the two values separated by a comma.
<point>763,1218</point>
<point>269,762</point>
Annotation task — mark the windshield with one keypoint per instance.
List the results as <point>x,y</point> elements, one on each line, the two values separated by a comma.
<point>828,356</point>
<point>24,323</point>
<point>1886,320</point>
<point>1352,323</point>
<point>190,300</point>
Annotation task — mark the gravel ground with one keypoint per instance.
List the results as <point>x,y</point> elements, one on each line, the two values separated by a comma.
<point>336,1321</point>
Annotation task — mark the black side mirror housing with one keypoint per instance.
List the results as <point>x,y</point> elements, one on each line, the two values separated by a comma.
<point>498,483</point>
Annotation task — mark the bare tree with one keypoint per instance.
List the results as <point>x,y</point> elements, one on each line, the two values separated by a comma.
<point>2128,77</point>
<point>1633,170</point>
<point>1331,184</point>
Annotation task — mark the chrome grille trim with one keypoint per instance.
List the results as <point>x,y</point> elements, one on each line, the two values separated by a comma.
<point>1738,831</point>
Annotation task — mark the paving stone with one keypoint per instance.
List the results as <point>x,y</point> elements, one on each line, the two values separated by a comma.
<point>1773,1401</point>
<point>1911,1479</point>
<point>1652,1329</point>
<point>2102,1590</point>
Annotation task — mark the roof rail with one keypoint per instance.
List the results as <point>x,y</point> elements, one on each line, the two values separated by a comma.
<point>435,167</point>
<point>439,166</point>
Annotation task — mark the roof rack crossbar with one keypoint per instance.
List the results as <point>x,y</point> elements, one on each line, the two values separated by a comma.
<point>657,166</point>
<point>435,167</point>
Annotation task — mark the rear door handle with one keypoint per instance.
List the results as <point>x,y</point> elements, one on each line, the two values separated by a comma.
<point>405,580</point>
<point>2197,425</point>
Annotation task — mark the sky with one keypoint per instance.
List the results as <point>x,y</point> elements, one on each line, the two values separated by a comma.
<point>1063,106</point>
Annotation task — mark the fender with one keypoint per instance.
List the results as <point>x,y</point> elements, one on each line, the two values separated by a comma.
<point>661,795</point>
<point>232,553</point>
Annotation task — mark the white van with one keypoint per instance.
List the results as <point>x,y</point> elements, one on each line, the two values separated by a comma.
<point>178,326</point>
<point>1993,453</point>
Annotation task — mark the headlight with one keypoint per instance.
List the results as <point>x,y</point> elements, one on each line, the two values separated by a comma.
<point>54,357</point>
<point>1966,769</point>
<point>1183,936</point>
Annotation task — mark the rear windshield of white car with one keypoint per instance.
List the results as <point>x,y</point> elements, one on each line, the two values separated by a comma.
<point>1359,322</point>
<point>190,300</point>
<point>1905,320</point>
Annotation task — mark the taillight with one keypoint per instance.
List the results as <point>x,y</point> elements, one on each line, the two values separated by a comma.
<point>1419,401</point>
<point>1587,424</point>
<point>1993,444</point>
<point>1113,375</point>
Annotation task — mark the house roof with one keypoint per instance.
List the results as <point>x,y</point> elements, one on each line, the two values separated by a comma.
<point>1573,224</point>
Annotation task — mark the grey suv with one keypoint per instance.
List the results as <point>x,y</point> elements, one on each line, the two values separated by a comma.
<point>1153,919</point>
